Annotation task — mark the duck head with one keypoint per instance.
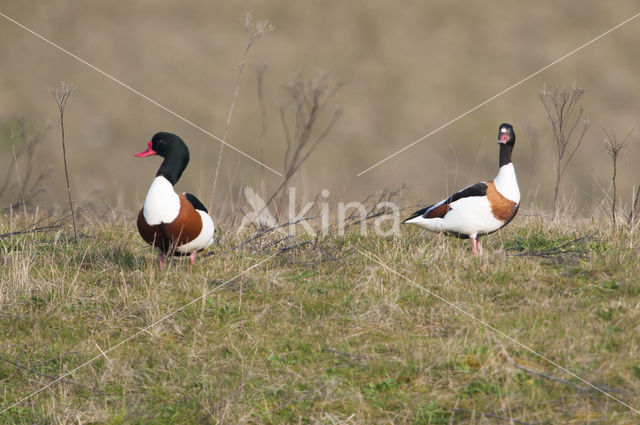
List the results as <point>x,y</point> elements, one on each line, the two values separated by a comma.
<point>174,151</point>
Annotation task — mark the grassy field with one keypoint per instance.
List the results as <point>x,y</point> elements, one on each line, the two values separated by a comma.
<point>341,330</point>
<point>407,70</point>
<point>349,328</point>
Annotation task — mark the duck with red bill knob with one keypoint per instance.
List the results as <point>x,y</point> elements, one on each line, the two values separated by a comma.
<point>174,223</point>
<point>478,209</point>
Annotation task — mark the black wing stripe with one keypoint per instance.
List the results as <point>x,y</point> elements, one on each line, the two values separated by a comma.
<point>418,213</point>
<point>478,189</point>
<point>195,202</point>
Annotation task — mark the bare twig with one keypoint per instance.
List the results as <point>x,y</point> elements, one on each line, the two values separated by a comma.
<point>308,99</point>
<point>565,114</point>
<point>52,377</point>
<point>36,230</point>
<point>633,215</point>
<point>562,381</point>
<point>33,228</point>
<point>294,246</point>
<point>277,242</point>
<point>261,233</point>
<point>553,378</point>
<point>62,96</point>
<point>558,250</point>
<point>255,30</point>
<point>373,207</point>
<point>613,147</point>
<point>58,357</point>
<point>261,69</point>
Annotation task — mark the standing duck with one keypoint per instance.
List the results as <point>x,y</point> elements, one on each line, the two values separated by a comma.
<point>174,223</point>
<point>478,209</point>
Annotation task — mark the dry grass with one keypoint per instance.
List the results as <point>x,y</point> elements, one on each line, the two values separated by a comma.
<point>320,333</point>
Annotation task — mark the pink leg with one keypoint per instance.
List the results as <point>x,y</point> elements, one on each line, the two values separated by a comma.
<point>161,260</point>
<point>479,247</point>
<point>192,259</point>
<point>474,246</point>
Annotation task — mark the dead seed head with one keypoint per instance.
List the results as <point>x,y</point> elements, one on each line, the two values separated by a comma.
<point>255,30</point>
<point>63,94</point>
<point>612,144</point>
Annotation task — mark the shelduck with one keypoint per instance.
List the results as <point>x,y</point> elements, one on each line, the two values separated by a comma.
<point>174,223</point>
<point>478,209</point>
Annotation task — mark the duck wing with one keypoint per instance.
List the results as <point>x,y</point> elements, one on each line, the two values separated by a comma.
<point>441,208</point>
<point>195,202</point>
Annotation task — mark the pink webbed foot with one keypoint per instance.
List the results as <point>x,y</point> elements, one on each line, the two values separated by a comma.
<point>161,260</point>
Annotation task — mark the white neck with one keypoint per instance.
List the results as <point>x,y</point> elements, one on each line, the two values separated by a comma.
<point>162,204</point>
<point>507,184</point>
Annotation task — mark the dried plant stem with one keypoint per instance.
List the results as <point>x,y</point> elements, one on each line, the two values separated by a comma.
<point>262,232</point>
<point>61,96</point>
<point>295,166</point>
<point>254,30</point>
<point>261,69</point>
<point>55,378</point>
<point>308,98</point>
<point>613,148</point>
<point>15,161</point>
<point>633,215</point>
<point>613,182</point>
<point>565,114</point>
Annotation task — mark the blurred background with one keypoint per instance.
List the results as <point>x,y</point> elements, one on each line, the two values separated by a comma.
<point>405,67</point>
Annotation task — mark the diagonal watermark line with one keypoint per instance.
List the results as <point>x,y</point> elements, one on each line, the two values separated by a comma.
<point>531,350</point>
<point>415,142</point>
<point>131,89</point>
<point>143,330</point>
